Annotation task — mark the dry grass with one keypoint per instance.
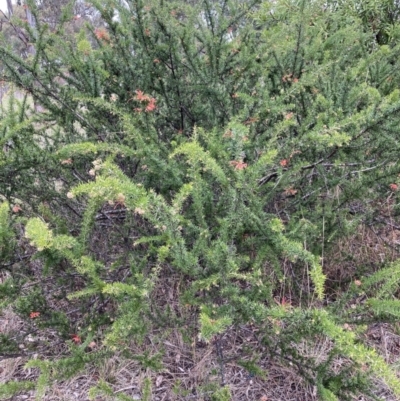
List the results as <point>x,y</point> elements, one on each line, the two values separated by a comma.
<point>192,369</point>
<point>191,372</point>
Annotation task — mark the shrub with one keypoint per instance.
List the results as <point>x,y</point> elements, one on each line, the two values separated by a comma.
<point>215,152</point>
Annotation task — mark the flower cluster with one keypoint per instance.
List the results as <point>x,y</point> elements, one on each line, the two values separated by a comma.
<point>238,165</point>
<point>34,315</point>
<point>149,101</point>
<point>102,34</point>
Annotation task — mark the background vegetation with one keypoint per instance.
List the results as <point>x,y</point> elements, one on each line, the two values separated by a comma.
<point>193,170</point>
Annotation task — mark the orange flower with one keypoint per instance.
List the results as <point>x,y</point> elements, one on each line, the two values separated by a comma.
<point>394,187</point>
<point>239,165</point>
<point>17,209</point>
<point>102,34</point>
<point>141,96</point>
<point>284,302</point>
<point>76,339</point>
<point>151,106</point>
<point>34,315</point>
<point>290,191</point>
<point>284,162</point>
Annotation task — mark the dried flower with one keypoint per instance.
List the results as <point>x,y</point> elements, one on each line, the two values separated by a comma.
<point>251,120</point>
<point>66,161</point>
<point>290,191</point>
<point>70,195</point>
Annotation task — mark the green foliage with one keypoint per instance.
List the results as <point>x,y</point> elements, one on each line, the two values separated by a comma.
<point>345,341</point>
<point>44,377</point>
<point>326,394</point>
<point>38,232</point>
<point>253,368</point>
<point>146,389</point>
<point>7,344</point>
<point>104,390</point>
<point>210,327</point>
<point>222,394</point>
<point>225,146</point>
<point>7,236</point>
<point>12,388</point>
